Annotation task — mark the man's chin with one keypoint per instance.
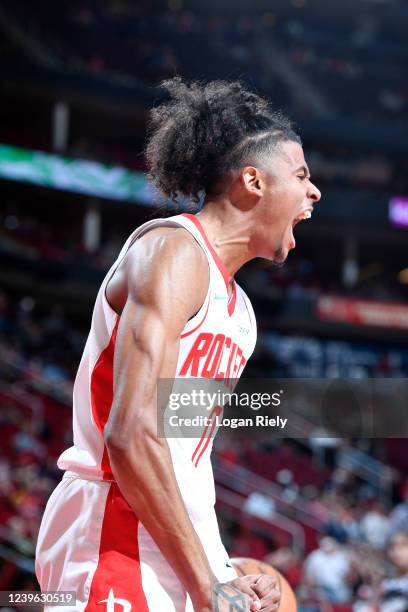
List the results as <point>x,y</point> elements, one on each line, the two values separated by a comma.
<point>280,257</point>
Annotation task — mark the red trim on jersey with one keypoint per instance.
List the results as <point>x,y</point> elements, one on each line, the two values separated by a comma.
<point>218,261</point>
<point>118,566</point>
<point>197,326</point>
<point>233,300</point>
<point>217,411</point>
<point>247,309</point>
<point>102,394</point>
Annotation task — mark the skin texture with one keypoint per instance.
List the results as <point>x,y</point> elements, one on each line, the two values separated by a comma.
<point>156,293</point>
<point>254,216</point>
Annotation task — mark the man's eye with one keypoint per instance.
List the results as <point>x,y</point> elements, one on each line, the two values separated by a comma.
<point>302,176</point>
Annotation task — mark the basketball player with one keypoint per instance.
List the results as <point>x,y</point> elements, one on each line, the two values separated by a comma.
<point>132,525</point>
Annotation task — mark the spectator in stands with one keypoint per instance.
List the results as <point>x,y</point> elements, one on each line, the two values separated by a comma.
<point>25,440</point>
<point>375,526</point>
<point>316,502</point>
<point>330,571</point>
<point>290,488</point>
<point>17,534</point>
<point>341,524</point>
<point>260,505</point>
<point>371,573</point>
<point>394,589</point>
<point>399,516</point>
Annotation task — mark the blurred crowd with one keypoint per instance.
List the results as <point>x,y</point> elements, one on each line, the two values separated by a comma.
<point>145,43</point>
<point>356,561</point>
<point>55,251</point>
<point>40,241</point>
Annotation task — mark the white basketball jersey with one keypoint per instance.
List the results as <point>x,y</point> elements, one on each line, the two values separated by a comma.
<point>216,343</point>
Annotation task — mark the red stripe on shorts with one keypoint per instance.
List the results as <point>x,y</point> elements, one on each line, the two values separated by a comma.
<point>118,575</point>
<point>102,393</point>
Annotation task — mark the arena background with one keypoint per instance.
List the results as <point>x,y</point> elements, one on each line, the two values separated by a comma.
<point>77,80</point>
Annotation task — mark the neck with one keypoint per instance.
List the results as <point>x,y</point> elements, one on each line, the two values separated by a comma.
<point>229,230</point>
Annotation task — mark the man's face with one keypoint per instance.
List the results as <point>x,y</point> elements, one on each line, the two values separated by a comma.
<point>398,551</point>
<point>288,197</point>
<point>328,545</point>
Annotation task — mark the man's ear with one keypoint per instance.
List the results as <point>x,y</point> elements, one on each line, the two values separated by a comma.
<point>252,181</point>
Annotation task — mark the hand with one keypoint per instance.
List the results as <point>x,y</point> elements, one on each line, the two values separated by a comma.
<point>252,593</point>
<point>267,590</point>
<point>234,595</point>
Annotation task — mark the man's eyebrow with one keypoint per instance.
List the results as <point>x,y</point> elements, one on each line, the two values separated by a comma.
<point>305,170</point>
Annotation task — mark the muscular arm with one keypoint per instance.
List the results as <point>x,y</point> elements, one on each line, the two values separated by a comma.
<point>167,279</point>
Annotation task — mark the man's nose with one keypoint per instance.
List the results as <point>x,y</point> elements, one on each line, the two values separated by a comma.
<point>314,193</point>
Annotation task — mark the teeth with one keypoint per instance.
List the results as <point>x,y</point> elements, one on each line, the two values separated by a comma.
<point>304,215</point>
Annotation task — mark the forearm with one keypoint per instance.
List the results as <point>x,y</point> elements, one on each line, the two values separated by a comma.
<point>159,304</point>
<point>146,478</point>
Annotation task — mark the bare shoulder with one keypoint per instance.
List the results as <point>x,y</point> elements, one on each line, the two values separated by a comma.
<point>167,260</point>
<point>169,242</point>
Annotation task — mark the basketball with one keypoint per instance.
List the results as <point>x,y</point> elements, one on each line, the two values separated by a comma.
<point>245,566</point>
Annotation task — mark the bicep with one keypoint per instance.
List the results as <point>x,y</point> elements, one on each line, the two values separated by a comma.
<point>145,351</point>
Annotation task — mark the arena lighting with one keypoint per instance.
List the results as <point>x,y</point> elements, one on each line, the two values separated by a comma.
<point>403,276</point>
<point>76,175</point>
<point>398,211</point>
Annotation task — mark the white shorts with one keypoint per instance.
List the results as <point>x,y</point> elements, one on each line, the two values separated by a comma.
<point>91,542</point>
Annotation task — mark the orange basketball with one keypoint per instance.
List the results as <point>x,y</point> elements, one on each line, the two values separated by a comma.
<point>244,566</point>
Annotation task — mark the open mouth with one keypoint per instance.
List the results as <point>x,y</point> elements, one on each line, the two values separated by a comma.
<point>305,214</point>
<point>302,216</point>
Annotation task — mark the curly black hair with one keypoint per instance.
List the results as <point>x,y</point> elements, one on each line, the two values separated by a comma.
<point>206,130</point>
